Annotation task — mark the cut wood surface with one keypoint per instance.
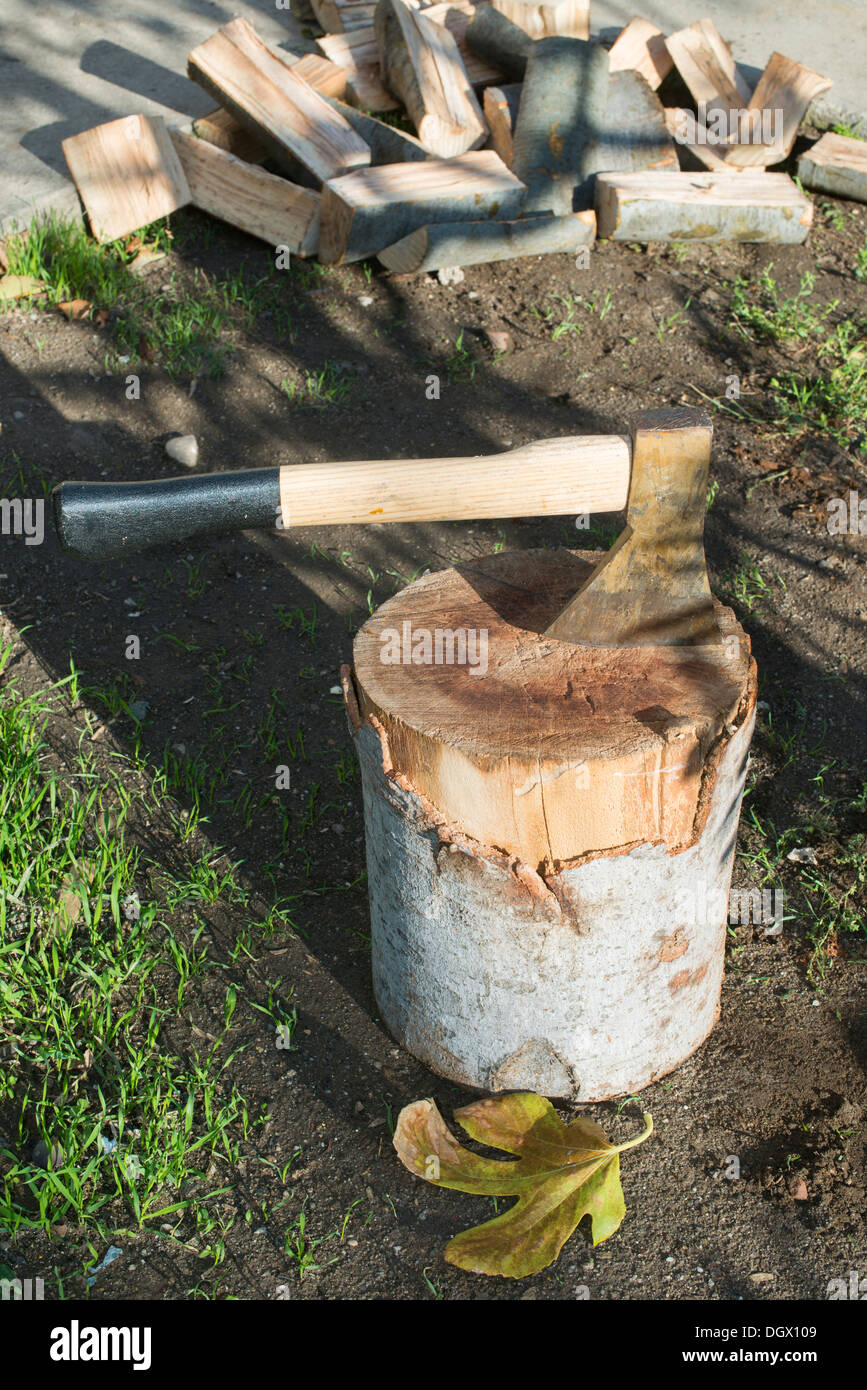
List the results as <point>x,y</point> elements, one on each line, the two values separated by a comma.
<point>836,164</point>
<point>323,75</point>
<point>477,243</point>
<point>551,477</point>
<point>387,144</point>
<point>370,209</point>
<point>509,755</point>
<point>561,116</point>
<point>689,136</point>
<point>705,62</point>
<point>501,112</point>
<point>422,65</point>
<point>260,88</point>
<point>499,42</point>
<point>669,206</point>
<point>640,47</point>
<point>342,16</point>
<point>545,19</point>
<point>358,54</point>
<point>259,203</point>
<point>785,91</point>
<point>127,174</point>
<point>220,128</point>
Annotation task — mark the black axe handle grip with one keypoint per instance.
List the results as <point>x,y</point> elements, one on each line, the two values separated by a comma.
<point>102,520</point>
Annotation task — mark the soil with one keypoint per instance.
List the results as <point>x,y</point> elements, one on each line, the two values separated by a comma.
<point>779,1085</point>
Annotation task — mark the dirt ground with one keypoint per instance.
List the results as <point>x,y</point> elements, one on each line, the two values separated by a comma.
<point>779,1085</point>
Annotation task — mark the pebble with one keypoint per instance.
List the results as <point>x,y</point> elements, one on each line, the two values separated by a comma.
<point>499,341</point>
<point>183,448</point>
<point>365,300</point>
<point>451,275</point>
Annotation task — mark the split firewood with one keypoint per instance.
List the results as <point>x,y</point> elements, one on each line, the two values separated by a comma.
<point>634,133</point>
<point>555,135</point>
<point>222,129</point>
<point>323,75</point>
<point>370,209</point>
<point>387,145</point>
<point>456,17</point>
<point>836,164</point>
<point>421,64</point>
<point>694,140</point>
<point>546,19</point>
<point>244,195</point>
<point>496,40</point>
<point>704,61</point>
<point>127,174</point>
<point>501,113</point>
<point>358,54</point>
<point>480,243</point>
<point>667,206</point>
<point>260,88</point>
<point>781,101</point>
<point>342,16</point>
<point>640,47</point>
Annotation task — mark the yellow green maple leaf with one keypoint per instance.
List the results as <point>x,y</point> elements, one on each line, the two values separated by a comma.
<point>563,1173</point>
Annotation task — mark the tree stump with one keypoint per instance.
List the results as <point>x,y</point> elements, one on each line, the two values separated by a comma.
<point>550,830</point>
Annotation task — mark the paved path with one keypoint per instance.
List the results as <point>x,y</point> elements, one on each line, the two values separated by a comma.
<point>66,66</point>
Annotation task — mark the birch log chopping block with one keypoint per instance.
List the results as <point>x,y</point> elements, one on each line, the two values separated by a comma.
<point>550,822</point>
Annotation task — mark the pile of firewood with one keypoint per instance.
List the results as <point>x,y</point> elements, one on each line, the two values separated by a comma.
<point>529,138</point>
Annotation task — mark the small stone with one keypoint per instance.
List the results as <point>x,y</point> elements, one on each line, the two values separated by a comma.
<point>761,1278</point>
<point>499,341</point>
<point>365,300</point>
<point>798,1190</point>
<point>805,854</point>
<point>335,690</point>
<point>183,448</point>
<point>450,275</point>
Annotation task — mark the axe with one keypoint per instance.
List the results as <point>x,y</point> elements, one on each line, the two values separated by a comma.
<point>650,589</point>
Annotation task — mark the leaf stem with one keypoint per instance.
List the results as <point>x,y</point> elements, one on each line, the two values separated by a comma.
<point>639,1139</point>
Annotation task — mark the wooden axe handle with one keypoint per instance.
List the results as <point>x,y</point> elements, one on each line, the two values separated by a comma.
<point>553,477</point>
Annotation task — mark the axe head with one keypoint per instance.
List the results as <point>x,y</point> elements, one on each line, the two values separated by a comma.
<point>651,589</point>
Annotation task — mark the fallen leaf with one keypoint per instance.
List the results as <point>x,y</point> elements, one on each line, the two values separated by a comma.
<point>563,1173</point>
<point>148,256</point>
<point>101,317</point>
<point>20,286</point>
<point>74,308</point>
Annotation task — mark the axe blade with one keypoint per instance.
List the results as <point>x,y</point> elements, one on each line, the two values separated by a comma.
<point>651,589</point>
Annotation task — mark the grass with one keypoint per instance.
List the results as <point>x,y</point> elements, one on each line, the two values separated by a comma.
<point>833,398</point>
<point>746,585</point>
<point>461,365</point>
<point>113,1113</point>
<point>328,386</point>
<point>827,902</point>
<point>179,327</point>
<point>759,312</point>
<point>829,396</point>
